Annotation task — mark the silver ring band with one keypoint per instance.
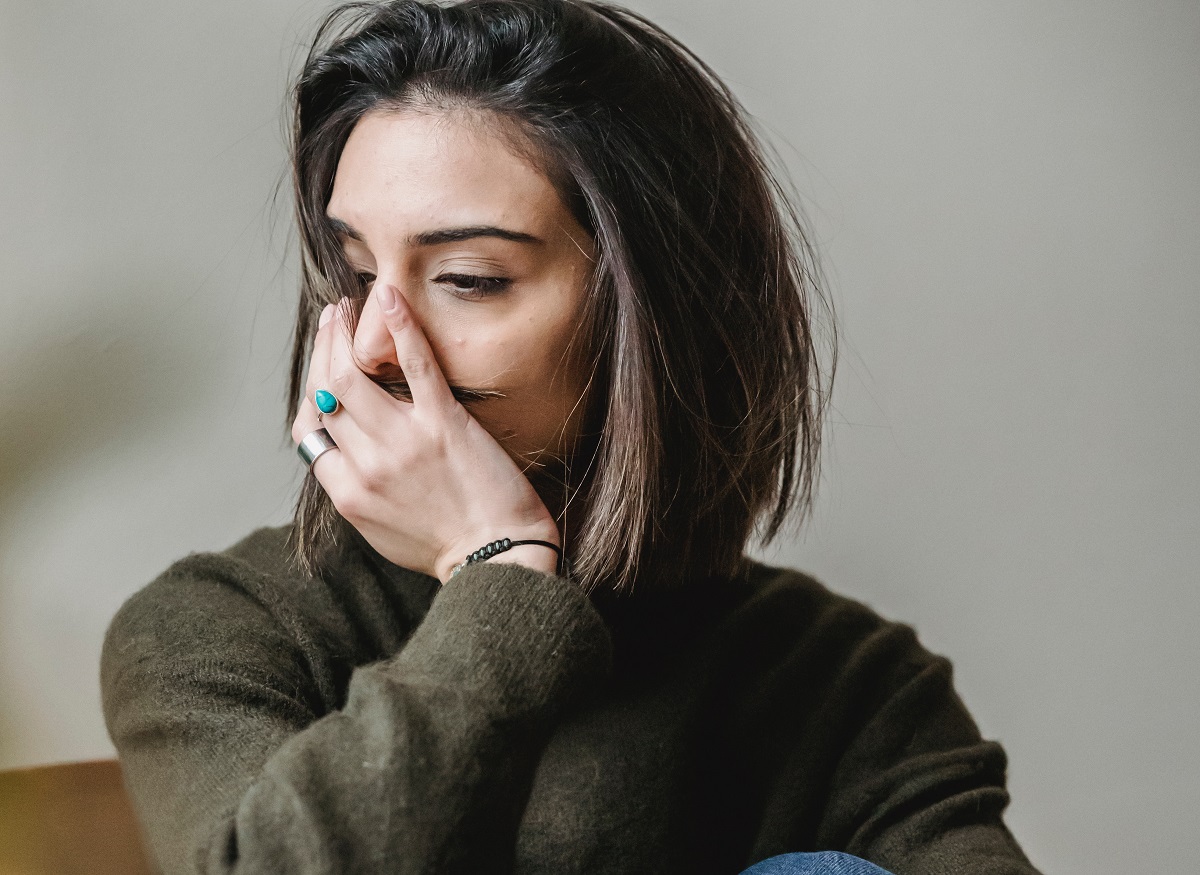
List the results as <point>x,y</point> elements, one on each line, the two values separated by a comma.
<point>315,444</point>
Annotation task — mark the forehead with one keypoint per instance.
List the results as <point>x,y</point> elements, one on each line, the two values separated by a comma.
<point>417,167</point>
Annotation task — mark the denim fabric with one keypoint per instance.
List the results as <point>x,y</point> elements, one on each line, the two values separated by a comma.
<point>821,863</point>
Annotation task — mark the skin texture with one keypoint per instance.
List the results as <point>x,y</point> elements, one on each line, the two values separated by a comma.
<point>429,481</point>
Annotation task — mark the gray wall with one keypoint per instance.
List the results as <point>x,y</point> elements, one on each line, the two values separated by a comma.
<point>1007,198</point>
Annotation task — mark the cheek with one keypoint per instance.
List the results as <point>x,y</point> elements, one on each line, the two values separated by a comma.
<point>479,359</point>
<point>539,395</point>
<point>513,357</point>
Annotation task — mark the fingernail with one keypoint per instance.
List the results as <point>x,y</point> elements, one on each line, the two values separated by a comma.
<point>387,297</point>
<point>326,315</point>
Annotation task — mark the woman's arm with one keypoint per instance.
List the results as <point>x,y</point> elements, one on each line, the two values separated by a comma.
<point>220,702</point>
<point>860,742</point>
<point>215,694</point>
<point>918,790</point>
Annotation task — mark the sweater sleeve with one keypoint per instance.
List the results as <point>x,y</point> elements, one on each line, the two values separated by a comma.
<point>918,790</point>
<point>863,745</point>
<point>235,766</point>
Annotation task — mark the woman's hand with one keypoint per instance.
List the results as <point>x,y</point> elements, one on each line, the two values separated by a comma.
<point>423,482</point>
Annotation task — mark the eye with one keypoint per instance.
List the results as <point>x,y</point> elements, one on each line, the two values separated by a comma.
<point>470,285</point>
<point>364,279</point>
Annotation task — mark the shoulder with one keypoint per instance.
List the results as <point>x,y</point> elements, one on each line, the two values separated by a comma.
<point>250,605</point>
<point>804,651</point>
<point>208,605</point>
<point>838,697</point>
<point>212,584</point>
<point>793,630</point>
<point>799,605</point>
<point>260,573</point>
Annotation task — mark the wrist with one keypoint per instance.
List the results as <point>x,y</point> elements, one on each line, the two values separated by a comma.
<point>533,556</point>
<point>542,557</point>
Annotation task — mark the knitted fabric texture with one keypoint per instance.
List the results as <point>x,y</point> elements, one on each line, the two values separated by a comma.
<point>372,721</point>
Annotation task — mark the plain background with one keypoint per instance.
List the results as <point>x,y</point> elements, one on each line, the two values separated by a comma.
<point>1007,200</point>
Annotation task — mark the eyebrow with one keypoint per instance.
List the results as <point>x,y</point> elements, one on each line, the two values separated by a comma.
<point>442,235</point>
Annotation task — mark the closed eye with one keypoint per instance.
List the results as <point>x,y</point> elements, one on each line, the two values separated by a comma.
<point>473,285</point>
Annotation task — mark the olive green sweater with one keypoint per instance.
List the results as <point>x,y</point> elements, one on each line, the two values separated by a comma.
<point>375,722</point>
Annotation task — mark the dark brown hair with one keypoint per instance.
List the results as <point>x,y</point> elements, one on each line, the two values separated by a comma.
<point>708,392</point>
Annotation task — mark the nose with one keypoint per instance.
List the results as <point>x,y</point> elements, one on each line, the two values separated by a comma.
<point>373,344</point>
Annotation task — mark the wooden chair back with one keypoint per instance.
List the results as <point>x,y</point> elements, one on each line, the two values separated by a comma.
<point>67,819</point>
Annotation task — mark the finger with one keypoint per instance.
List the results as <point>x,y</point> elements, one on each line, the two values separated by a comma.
<point>351,471</point>
<point>413,353</point>
<point>307,421</point>
<point>305,424</point>
<point>318,361</point>
<point>332,470</point>
<point>362,400</point>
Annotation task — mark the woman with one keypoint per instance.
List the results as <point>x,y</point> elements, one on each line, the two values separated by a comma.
<point>555,321</point>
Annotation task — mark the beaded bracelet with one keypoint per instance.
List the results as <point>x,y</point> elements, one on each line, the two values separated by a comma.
<point>487,551</point>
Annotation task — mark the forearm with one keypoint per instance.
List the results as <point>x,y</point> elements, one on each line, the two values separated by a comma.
<point>425,769</point>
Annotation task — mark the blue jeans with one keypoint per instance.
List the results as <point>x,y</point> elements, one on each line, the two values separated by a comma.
<point>821,863</point>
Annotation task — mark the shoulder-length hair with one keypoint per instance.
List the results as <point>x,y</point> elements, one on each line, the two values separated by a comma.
<point>708,385</point>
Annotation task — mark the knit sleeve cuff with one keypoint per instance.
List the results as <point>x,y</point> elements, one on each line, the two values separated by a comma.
<point>512,633</point>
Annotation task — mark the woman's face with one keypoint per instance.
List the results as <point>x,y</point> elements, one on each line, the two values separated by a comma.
<point>483,249</point>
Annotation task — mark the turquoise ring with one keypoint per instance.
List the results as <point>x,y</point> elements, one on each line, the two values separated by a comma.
<point>326,401</point>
